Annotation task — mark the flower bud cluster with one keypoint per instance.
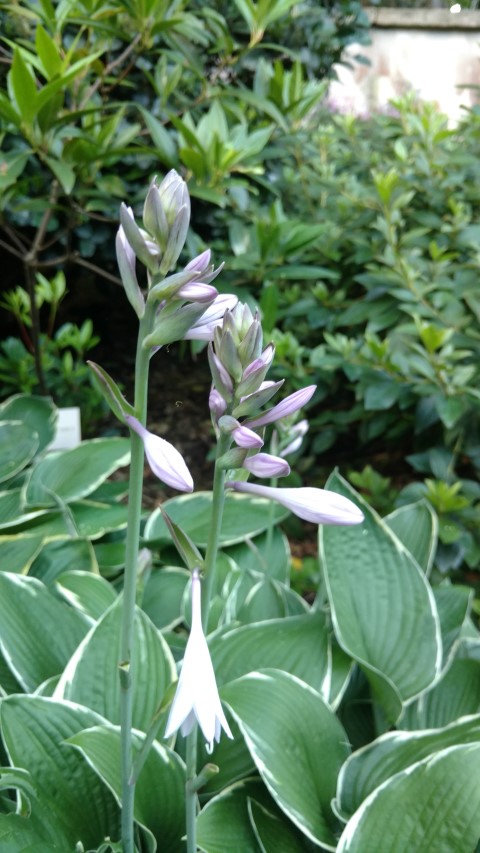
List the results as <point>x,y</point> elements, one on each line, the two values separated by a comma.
<point>185,304</point>
<point>239,364</point>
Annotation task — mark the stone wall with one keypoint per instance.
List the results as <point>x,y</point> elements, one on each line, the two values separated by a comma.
<point>432,52</point>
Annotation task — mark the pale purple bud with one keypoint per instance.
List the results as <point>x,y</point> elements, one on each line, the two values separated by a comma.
<point>204,327</point>
<point>217,404</point>
<point>264,360</point>
<point>296,433</point>
<point>174,195</point>
<point>319,506</point>
<point>252,402</point>
<point>265,465</point>
<point>200,263</point>
<point>171,325</point>
<point>146,251</point>
<point>154,217</point>
<point>126,264</point>
<point>196,697</point>
<point>197,291</point>
<point>165,461</point>
<point>288,406</point>
<point>244,437</point>
<point>220,375</point>
<point>176,237</point>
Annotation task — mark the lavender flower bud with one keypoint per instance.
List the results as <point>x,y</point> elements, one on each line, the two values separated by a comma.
<point>126,264</point>
<point>267,466</point>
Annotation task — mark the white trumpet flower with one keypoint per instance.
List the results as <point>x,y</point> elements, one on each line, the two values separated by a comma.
<point>196,697</point>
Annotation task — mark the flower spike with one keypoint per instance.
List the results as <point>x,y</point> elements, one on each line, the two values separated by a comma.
<point>197,696</point>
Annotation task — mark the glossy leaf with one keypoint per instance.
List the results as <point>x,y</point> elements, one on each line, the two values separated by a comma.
<point>416,525</point>
<point>18,445</point>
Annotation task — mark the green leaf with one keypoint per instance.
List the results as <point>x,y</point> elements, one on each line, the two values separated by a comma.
<point>432,807</point>
<point>89,593</point>
<point>223,825</point>
<point>160,789</point>
<point>59,556</point>
<point>297,744</point>
<point>274,834</point>
<point>17,554</point>
<point>64,173</point>
<point>456,695</point>
<point>243,517</point>
<point>73,474</point>
<point>163,596</point>
<point>162,139</point>
<point>47,52</point>
<point>38,412</point>
<point>18,445</point>
<point>18,833</point>
<point>298,645</point>
<point>72,804</point>
<point>23,87</point>
<point>43,650</point>
<point>383,610</point>
<point>453,605</point>
<point>92,677</point>
<point>416,525</point>
<point>266,557</point>
<point>370,767</point>
<point>111,392</point>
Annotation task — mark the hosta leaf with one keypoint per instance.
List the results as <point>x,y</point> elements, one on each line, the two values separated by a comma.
<point>416,525</point>
<point>89,593</point>
<point>18,445</point>
<point>54,629</point>
<point>383,610</point>
<point>243,517</point>
<point>38,412</point>
<point>160,789</point>
<point>456,695</point>
<point>72,804</point>
<point>224,826</point>
<point>74,474</point>
<point>432,807</point>
<point>370,767</point>
<point>297,744</point>
<point>298,645</point>
<point>91,676</point>
<point>273,834</point>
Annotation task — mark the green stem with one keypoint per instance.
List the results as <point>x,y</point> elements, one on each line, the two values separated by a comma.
<point>218,501</point>
<point>129,590</point>
<point>191,791</point>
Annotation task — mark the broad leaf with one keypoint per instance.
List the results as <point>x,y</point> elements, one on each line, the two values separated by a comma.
<point>370,767</point>
<point>72,804</point>
<point>416,525</point>
<point>160,789</point>
<point>298,645</point>
<point>432,807</point>
<point>297,744</point>
<point>73,474</point>
<point>243,517</point>
<point>383,610</point>
<point>92,679</point>
<point>54,629</point>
